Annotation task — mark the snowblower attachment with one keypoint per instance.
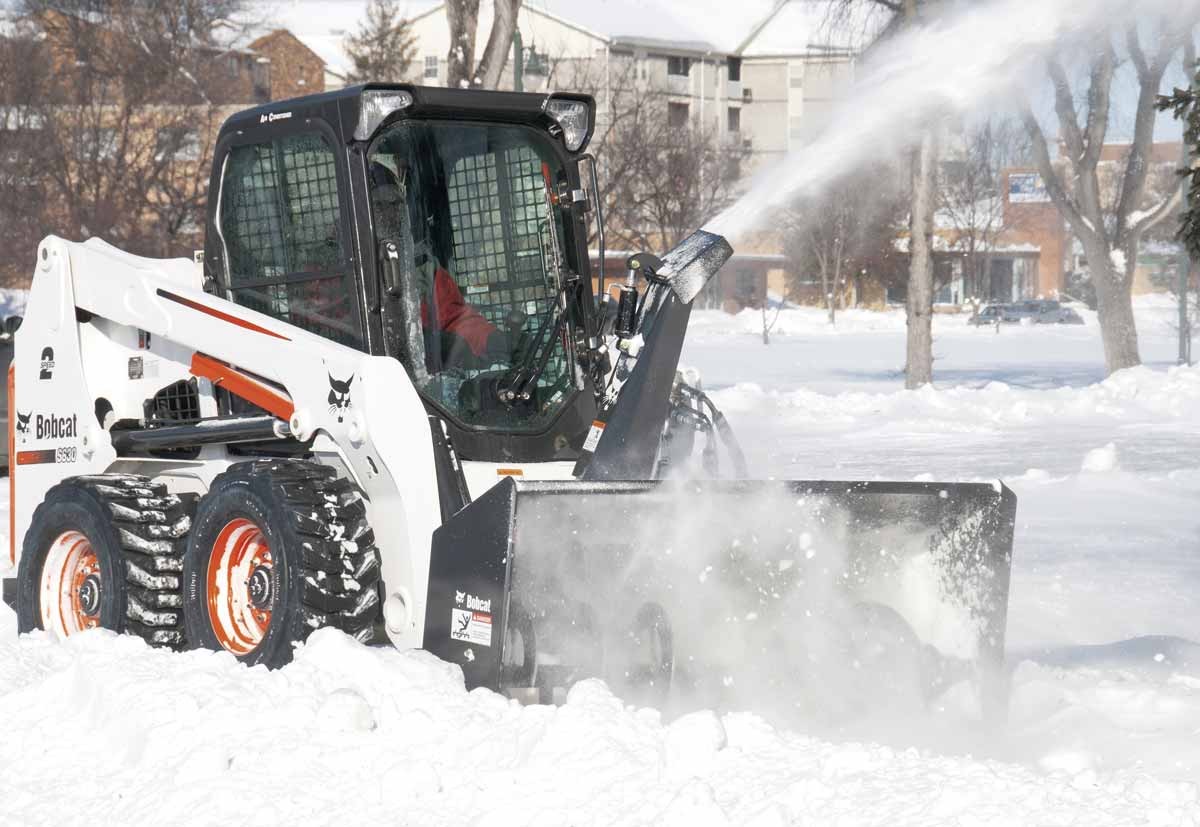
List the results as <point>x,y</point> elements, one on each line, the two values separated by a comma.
<point>817,595</point>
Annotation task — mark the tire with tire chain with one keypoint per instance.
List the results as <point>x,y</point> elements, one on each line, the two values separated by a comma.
<point>278,549</point>
<point>133,533</point>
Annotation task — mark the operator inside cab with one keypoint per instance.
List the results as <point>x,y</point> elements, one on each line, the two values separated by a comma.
<point>456,334</point>
<point>470,256</point>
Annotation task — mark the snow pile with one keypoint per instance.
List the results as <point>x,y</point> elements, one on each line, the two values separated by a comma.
<point>1099,460</point>
<point>1138,393</point>
<point>372,735</point>
<point>794,321</point>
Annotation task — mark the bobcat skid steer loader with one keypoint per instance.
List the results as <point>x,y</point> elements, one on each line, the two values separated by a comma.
<point>388,401</point>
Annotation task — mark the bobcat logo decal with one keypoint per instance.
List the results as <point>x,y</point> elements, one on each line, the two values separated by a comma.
<point>23,424</point>
<point>339,396</point>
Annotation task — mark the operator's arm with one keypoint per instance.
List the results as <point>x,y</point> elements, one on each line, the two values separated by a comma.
<point>455,315</point>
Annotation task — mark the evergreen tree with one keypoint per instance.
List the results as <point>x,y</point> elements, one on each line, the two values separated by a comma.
<point>1185,103</point>
<point>384,46</point>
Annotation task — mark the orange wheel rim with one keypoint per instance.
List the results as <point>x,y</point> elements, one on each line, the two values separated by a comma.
<point>71,586</point>
<point>240,586</point>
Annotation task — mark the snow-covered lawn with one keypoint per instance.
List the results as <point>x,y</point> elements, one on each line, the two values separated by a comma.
<point>1105,719</point>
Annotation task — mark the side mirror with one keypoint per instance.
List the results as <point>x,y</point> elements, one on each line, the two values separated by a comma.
<point>12,323</point>
<point>389,257</point>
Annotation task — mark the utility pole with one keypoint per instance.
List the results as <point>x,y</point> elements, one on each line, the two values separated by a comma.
<point>1185,258</point>
<point>1185,277</point>
<point>518,62</point>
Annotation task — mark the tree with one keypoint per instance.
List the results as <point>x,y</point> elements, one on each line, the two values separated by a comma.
<point>384,46</point>
<point>463,17</point>
<point>1109,222</point>
<point>1185,104</point>
<point>923,164</point>
<point>659,180</point>
<point>110,118</point>
<point>847,229</point>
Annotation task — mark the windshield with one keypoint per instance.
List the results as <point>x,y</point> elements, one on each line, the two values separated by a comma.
<point>465,211</point>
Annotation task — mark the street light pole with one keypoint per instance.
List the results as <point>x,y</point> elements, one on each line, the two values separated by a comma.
<point>1185,275</point>
<point>518,62</point>
<point>1185,258</point>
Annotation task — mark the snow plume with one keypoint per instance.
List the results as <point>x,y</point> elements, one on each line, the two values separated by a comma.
<point>804,603</point>
<point>952,65</point>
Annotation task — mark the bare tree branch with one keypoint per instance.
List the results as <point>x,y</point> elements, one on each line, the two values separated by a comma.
<point>499,44</point>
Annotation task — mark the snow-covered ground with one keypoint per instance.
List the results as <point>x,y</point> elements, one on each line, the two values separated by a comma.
<point>1105,717</point>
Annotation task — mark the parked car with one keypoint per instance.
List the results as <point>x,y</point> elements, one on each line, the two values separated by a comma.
<point>994,314</point>
<point>1045,311</point>
<point>1037,311</point>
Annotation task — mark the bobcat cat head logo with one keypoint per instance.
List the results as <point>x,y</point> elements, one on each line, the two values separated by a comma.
<point>23,422</point>
<point>339,396</point>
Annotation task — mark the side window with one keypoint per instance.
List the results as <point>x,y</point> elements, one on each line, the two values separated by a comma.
<point>280,221</point>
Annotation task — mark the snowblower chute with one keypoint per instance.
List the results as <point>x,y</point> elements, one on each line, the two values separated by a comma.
<point>721,592</point>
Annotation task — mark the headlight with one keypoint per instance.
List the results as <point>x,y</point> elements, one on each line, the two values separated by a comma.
<point>574,116</point>
<point>377,104</point>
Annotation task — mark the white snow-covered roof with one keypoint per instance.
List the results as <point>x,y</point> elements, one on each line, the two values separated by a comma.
<point>650,20</point>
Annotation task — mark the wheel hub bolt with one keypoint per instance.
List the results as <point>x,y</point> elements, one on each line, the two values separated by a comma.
<point>89,595</point>
<point>260,587</point>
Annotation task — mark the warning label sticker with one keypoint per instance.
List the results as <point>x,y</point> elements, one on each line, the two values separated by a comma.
<point>471,627</point>
<point>593,437</point>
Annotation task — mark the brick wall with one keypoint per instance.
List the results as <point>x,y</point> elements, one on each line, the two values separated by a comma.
<point>295,69</point>
<point>1038,224</point>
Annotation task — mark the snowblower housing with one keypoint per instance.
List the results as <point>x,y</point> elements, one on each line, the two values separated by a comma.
<point>447,228</point>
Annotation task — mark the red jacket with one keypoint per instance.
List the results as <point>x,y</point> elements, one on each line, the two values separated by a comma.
<point>455,315</point>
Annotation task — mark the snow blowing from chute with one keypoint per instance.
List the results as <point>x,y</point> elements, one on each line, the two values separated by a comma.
<point>946,66</point>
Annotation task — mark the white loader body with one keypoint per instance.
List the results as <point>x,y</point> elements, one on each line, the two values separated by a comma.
<point>147,321</point>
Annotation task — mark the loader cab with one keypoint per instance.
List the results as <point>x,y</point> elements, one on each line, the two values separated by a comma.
<point>445,228</point>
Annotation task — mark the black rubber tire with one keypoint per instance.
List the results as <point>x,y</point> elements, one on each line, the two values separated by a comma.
<point>136,529</point>
<point>325,566</point>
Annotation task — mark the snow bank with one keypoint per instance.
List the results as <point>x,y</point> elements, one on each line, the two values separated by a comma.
<point>1156,313</point>
<point>357,735</point>
<point>1138,394</point>
<point>794,321</point>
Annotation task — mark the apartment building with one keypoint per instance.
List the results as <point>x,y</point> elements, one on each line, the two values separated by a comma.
<point>762,72</point>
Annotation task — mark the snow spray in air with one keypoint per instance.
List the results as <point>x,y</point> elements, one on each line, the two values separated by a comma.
<point>951,65</point>
<point>799,600</point>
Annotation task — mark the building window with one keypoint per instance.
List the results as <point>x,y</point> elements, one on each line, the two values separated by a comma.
<point>431,66</point>
<point>735,69</point>
<point>735,119</point>
<point>677,115</point>
<point>680,66</point>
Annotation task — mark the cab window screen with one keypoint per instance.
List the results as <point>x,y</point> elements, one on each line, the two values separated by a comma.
<point>484,266</point>
<point>280,220</point>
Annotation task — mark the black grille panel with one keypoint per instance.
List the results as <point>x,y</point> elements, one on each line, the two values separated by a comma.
<point>177,403</point>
